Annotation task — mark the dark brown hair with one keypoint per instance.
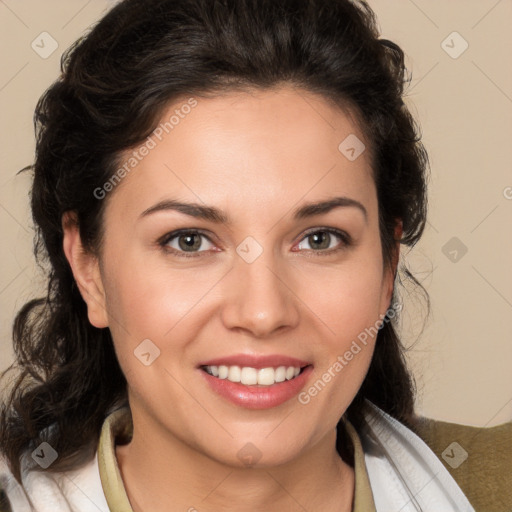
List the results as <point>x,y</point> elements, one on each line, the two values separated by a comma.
<point>115,83</point>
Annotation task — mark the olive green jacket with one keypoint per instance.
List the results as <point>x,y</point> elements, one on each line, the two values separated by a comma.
<point>485,476</point>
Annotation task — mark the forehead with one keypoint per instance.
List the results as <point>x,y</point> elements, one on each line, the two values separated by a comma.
<point>269,147</point>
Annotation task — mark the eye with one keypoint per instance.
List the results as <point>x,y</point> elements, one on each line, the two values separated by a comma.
<point>185,243</point>
<point>190,243</point>
<point>324,240</point>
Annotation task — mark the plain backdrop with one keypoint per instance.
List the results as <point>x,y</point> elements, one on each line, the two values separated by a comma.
<point>461,93</point>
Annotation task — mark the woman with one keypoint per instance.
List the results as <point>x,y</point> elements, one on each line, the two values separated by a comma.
<point>221,189</point>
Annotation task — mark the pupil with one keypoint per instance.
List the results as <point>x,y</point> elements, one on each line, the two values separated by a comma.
<point>323,236</point>
<point>189,242</point>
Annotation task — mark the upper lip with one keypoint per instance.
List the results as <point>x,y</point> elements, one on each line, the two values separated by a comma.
<point>256,361</point>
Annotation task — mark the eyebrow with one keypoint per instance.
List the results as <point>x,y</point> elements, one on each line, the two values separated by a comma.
<point>212,214</point>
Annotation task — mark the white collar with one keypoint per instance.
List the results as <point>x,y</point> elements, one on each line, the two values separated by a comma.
<point>404,473</point>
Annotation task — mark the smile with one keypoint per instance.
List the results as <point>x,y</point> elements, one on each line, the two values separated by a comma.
<point>252,388</point>
<point>252,376</point>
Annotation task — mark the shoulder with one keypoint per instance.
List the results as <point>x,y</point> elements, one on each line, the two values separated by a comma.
<point>43,490</point>
<point>79,489</point>
<point>478,458</point>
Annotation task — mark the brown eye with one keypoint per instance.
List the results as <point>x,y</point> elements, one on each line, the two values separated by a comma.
<point>192,242</point>
<point>324,240</point>
<point>182,242</point>
<point>320,240</point>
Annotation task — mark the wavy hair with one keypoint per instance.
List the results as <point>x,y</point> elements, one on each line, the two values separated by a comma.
<point>116,81</point>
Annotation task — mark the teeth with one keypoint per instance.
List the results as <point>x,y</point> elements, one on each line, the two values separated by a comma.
<point>252,376</point>
<point>248,376</point>
<point>223,372</point>
<point>234,374</point>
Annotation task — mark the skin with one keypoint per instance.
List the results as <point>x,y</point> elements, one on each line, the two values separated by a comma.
<point>256,156</point>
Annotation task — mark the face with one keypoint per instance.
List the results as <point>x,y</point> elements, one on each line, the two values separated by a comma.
<point>248,277</point>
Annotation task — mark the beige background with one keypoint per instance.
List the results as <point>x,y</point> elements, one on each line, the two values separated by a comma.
<point>463,359</point>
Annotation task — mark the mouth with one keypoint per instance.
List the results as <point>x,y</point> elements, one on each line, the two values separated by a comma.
<point>250,376</point>
<point>256,382</point>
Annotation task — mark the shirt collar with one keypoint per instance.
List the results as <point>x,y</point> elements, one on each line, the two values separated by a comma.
<point>118,426</point>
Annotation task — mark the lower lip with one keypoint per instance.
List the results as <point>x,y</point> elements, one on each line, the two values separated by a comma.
<point>258,397</point>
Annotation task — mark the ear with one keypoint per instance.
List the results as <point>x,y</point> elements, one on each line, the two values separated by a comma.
<point>390,273</point>
<point>86,271</point>
<point>399,229</point>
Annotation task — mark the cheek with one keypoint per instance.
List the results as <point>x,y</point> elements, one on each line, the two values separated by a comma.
<point>348,303</point>
<point>349,308</point>
<point>147,299</point>
<point>347,298</point>
<point>150,301</point>
<point>150,304</point>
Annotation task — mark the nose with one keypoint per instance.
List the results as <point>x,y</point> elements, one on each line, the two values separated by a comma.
<point>260,298</point>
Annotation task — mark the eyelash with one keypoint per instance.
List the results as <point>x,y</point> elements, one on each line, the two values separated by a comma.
<point>346,241</point>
